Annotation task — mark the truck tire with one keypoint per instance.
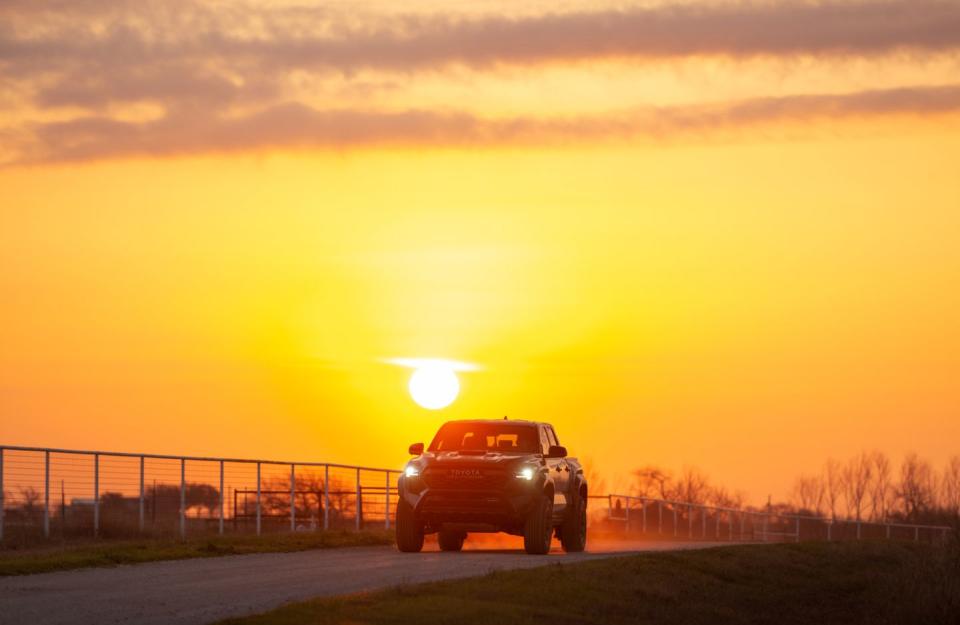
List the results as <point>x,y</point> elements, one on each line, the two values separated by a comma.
<point>451,541</point>
<point>573,532</point>
<point>409,530</point>
<point>538,527</point>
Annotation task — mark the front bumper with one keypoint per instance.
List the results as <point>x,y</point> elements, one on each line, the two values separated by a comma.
<point>503,509</point>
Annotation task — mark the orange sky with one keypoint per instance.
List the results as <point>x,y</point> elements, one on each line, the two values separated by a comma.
<point>738,253</point>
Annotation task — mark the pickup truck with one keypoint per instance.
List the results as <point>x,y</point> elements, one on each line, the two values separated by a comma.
<point>492,476</point>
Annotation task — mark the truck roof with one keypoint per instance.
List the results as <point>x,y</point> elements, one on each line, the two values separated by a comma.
<point>512,421</point>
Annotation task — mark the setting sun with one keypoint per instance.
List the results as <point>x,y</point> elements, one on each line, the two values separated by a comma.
<point>434,383</point>
<point>434,386</point>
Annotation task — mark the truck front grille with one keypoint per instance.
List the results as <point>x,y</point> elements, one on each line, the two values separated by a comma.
<point>465,478</point>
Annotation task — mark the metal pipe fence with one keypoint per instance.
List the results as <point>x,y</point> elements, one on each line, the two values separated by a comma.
<point>63,493</point>
<point>677,519</point>
<point>67,493</point>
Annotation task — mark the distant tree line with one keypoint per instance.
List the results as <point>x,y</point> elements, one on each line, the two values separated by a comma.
<point>309,496</point>
<point>691,485</point>
<point>868,487</point>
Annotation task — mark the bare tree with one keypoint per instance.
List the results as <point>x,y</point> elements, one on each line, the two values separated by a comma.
<point>596,481</point>
<point>917,488</point>
<point>652,481</point>
<point>308,494</point>
<point>856,477</point>
<point>881,491</point>
<point>31,504</point>
<point>832,473</point>
<point>721,497</point>
<point>950,486</point>
<point>809,492</point>
<point>692,487</point>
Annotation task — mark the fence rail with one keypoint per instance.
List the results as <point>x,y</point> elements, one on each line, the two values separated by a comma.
<point>67,493</point>
<point>678,519</point>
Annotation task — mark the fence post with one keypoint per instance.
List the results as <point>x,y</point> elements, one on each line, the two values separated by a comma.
<point>888,531</point>
<point>643,508</point>
<point>293,499</point>
<point>96,495</point>
<point>258,499</point>
<point>660,520</point>
<point>140,503</point>
<point>798,529</point>
<point>46,494</point>
<point>703,521</point>
<point>626,517</point>
<point>766,521</point>
<point>359,511</point>
<point>221,499</point>
<point>326,496</point>
<point>675,521</point>
<point>2,500</point>
<point>689,521</point>
<point>183,498</point>
<point>719,514</point>
<point>916,534</point>
<point>386,505</point>
<point>730,524</point>
<point>742,527</point>
<point>829,530</point>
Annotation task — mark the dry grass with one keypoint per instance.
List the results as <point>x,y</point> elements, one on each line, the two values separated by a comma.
<point>837,583</point>
<point>111,553</point>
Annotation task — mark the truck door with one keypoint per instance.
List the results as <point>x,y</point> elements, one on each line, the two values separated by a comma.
<point>559,472</point>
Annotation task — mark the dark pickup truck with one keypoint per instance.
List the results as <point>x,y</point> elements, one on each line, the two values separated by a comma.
<point>492,476</point>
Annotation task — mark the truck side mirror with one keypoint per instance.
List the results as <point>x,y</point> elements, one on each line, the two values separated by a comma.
<point>557,451</point>
<point>416,449</point>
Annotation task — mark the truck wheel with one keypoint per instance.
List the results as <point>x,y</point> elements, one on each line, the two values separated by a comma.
<point>538,528</point>
<point>451,541</point>
<point>409,530</point>
<point>573,532</point>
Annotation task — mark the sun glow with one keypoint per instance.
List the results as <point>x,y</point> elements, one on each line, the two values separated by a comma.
<point>434,383</point>
<point>434,386</point>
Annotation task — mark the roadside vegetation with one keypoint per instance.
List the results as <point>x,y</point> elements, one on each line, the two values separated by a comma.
<point>866,487</point>
<point>111,553</point>
<point>825,583</point>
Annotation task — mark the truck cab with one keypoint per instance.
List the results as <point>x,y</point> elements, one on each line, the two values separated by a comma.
<point>492,476</point>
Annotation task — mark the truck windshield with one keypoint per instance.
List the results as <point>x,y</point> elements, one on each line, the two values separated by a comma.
<point>494,436</point>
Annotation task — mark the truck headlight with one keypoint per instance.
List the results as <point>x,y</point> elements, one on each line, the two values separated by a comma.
<point>411,471</point>
<point>525,473</point>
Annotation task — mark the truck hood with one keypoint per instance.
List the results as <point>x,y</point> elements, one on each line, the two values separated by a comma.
<point>474,459</point>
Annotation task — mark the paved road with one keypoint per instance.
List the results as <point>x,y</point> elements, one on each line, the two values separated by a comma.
<point>205,590</point>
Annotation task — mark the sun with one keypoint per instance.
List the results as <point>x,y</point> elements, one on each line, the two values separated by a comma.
<point>434,386</point>
<point>434,383</point>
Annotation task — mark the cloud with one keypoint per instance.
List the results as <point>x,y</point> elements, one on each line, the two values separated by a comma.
<point>88,52</point>
<point>298,37</point>
<point>295,126</point>
<point>235,76</point>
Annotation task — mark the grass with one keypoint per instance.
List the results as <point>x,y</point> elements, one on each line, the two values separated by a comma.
<point>112,553</point>
<point>822,583</point>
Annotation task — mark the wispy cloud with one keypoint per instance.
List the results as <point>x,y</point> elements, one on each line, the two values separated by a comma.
<point>237,76</point>
<point>298,37</point>
<point>292,126</point>
<point>91,52</point>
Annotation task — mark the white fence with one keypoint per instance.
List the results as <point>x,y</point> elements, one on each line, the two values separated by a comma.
<point>65,492</point>
<point>677,519</point>
<point>68,493</point>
